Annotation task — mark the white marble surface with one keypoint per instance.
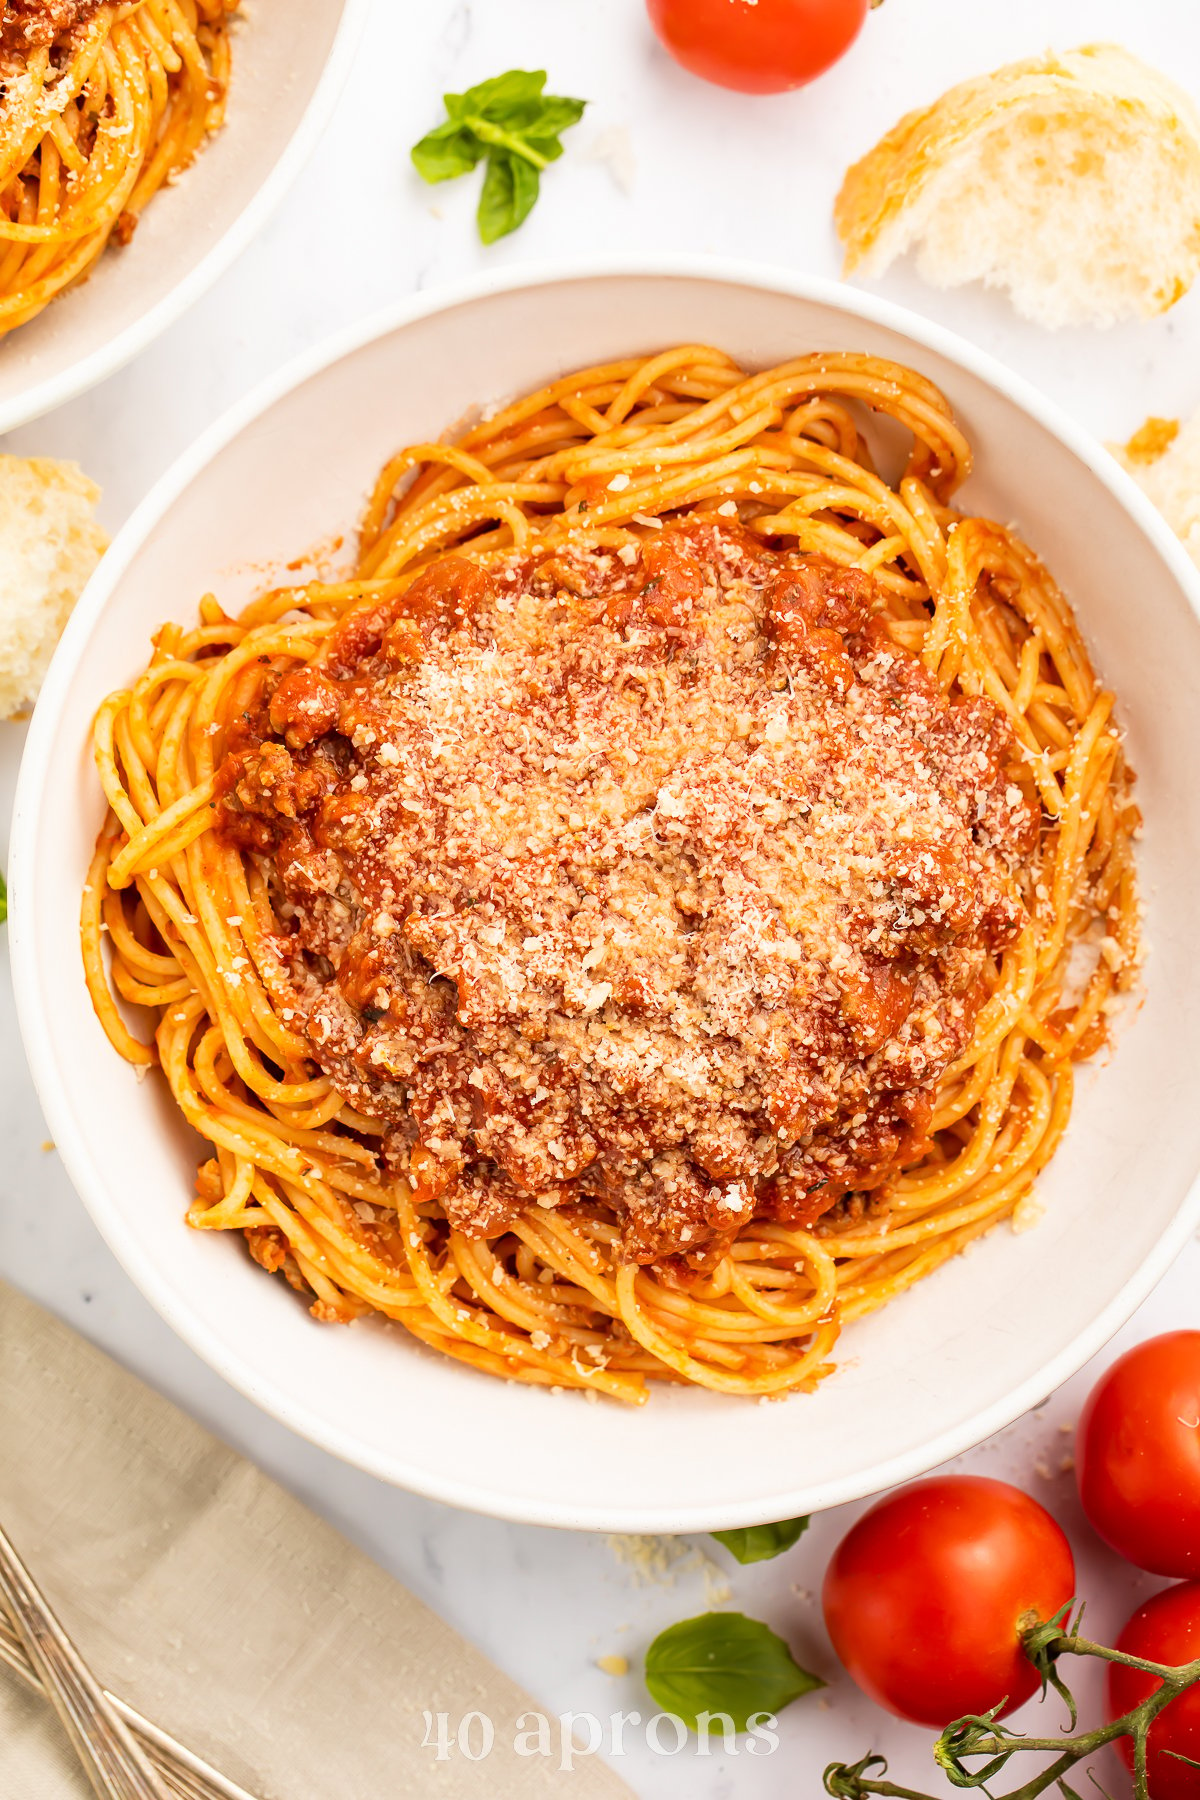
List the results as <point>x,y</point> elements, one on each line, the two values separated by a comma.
<point>660,160</point>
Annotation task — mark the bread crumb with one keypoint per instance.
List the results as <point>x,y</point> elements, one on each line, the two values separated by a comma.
<point>1164,459</point>
<point>1151,439</point>
<point>613,1665</point>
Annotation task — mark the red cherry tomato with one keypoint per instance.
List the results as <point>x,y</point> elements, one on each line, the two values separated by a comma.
<point>927,1596</point>
<point>1138,1455</point>
<point>1165,1630</point>
<point>757,46</point>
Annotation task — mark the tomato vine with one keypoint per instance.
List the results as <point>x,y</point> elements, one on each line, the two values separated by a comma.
<point>973,1751</point>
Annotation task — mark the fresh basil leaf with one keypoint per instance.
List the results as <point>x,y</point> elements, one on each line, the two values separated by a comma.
<point>758,1543</point>
<point>510,188</point>
<point>517,126</point>
<point>3,900</point>
<point>557,114</point>
<point>517,87</point>
<point>723,1662</point>
<point>446,152</point>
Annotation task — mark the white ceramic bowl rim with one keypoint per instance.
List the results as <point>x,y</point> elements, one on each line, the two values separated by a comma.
<point>116,1229</point>
<point>97,365</point>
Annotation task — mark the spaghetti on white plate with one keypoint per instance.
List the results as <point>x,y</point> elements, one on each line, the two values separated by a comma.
<point>648,916</point>
<point>102,103</point>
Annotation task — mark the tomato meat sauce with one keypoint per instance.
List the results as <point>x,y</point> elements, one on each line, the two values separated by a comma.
<point>27,25</point>
<point>659,876</point>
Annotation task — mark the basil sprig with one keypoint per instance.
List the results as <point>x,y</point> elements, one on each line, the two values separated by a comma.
<point>518,127</point>
<point>723,1662</point>
<point>3,900</point>
<point>758,1543</point>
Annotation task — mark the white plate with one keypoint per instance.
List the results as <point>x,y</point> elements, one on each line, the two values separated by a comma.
<point>936,1371</point>
<point>290,58</point>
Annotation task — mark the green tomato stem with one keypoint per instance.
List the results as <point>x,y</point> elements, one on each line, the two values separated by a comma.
<point>994,1750</point>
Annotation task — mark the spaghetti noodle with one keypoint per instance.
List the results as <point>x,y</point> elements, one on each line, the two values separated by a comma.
<point>681,486</point>
<point>102,102</point>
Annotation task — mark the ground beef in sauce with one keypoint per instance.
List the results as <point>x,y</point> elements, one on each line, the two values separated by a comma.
<point>661,877</point>
<point>32,24</point>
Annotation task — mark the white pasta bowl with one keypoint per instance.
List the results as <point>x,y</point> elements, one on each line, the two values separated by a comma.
<point>937,1370</point>
<point>289,63</point>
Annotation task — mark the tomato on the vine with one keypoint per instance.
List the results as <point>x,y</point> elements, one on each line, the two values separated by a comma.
<point>928,1594</point>
<point>1165,1630</point>
<point>1137,1455</point>
<point>757,46</point>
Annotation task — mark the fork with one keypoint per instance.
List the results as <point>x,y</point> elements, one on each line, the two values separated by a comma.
<point>124,1756</point>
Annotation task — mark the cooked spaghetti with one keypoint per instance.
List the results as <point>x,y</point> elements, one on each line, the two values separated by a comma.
<point>102,102</point>
<point>647,916</point>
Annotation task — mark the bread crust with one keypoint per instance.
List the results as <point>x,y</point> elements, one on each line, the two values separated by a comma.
<point>878,210</point>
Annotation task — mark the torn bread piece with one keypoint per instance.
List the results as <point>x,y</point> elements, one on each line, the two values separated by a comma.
<point>49,545</point>
<point>1164,459</point>
<point>1072,180</point>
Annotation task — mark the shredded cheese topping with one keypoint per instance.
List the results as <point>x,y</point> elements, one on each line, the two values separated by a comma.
<point>660,874</point>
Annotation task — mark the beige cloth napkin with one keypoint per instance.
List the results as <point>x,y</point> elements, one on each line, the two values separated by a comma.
<point>221,1608</point>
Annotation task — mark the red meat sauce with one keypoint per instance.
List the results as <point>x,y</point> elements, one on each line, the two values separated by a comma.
<point>27,25</point>
<point>659,877</point>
